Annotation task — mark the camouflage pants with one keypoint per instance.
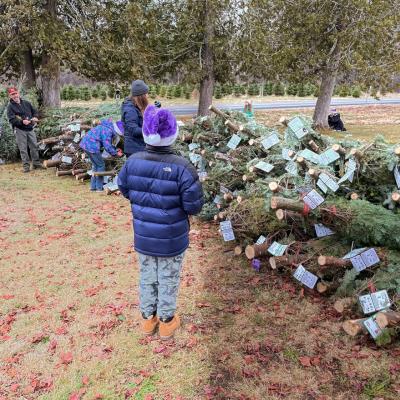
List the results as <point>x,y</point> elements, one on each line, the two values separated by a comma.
<point>159,284</point>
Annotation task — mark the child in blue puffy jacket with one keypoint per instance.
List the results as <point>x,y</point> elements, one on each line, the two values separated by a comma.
<point>97,138</point>
<point>163,189</point>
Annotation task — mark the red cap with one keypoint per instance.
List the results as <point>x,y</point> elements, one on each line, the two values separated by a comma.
<point>12,90</point>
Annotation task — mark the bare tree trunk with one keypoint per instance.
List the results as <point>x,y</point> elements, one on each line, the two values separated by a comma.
<point>207,59</point>
<point>328,82</point>
<point>27,69</point>
<point>50,69</point>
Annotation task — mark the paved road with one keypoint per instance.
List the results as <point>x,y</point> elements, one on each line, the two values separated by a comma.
<point>192,109</point>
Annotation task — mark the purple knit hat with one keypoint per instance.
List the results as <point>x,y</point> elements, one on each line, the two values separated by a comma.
<point>159,126</point>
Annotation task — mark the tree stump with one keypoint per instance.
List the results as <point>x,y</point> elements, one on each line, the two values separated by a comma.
<point>286,204</point>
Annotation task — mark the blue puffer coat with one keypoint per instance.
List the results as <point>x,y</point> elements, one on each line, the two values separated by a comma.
<point>163,189</point>
<point>132,119</point>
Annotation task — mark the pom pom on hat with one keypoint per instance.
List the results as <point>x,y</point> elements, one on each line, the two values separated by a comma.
<point>12,90</point>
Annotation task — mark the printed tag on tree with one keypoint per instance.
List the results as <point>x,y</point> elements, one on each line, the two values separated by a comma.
<point>364,260</point>
<point>291,168</point>
<point>397,176</point>
<point>227,231</point>
<point>349,175</point>
<point>234,141</point>
<point>277,249</point>
<point>298,128</point>
<point>322,230</point>
<point>66,160</point>
<point>261,239</point>
<point>264,166</point>
<point>354,252</point>
<point>313,199</point>
<point>193,146</point>
<point>270,141</point>
<point>224,189</point>
<point>329,182</point>
<point>202,176</point>
<point>195,158</point>
<point>375,301</point>
<point>217,199</point>
<point>77,138</point>
<point>74,127</point>
<point>285,154</point>
<point>309,155</point>
<point>322,186</point>
<point>372,327</point>
<point>305,277</point>
<point>328,157</point>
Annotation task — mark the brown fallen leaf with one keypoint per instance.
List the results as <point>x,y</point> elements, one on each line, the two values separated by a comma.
<point>305,361</point>
<point>66,358</point>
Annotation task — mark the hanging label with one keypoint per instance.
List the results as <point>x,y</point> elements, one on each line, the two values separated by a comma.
<point>291,168</point>
<point>217,199</point>
<point>202,176</point>
<point>74,127</point>
<point>322,230</point>
<point>277,249</point>
<point>364,260</point>
<point>264,166</point>
<point>322,186</point>
<point>328,157</point>
<point>193,146</point>
<point>305,277</point>
<point>270,141</point>
<point>329,182</point>
<point>261,239</point>
<point>227,231</point>
<point>234,141</point>
<point>313,199</point>
<point>195,158</point>
<point>309,156</point>
<point>374,302</point>
<point>354,253</point>
<point>66,160</point>
<point>372,327</point>
<point>77,138</point>
<point>298,128</point>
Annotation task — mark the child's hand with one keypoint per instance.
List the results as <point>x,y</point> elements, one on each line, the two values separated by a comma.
<point>120,153</point>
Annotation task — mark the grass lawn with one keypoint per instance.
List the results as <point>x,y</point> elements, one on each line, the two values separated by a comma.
<point>69,314</point>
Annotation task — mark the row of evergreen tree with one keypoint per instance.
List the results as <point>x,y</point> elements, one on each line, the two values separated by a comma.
<point>104,92</point>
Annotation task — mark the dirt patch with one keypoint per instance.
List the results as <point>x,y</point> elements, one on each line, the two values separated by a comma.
<point>69,314</point>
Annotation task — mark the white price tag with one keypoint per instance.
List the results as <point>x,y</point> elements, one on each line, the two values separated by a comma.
<point>299,273</point>
<point>193,146</point>
<point>66,160</point>
<point>194,158</point>
<point>372,327</point>
<point>234,141</point>
<point>381,300</point>
<point>75,127</point>
<point>277,249</point>
<point>223,189</point>
<point>329,182</point>
<point>217,199</point>
<point>298,128</point>
<point>328,157</point>
<point>202,176</point>
<point>358,263</point>
<point>370,257</point>
<point>313,199</point>
<point>227,231</point>
<point>291,168</point>
<point>270,141</point>
<point>322,186</point>
<point>354,253</point>
<point>367,304</point>
<point>56,156</point>
<point>322,230</point>
<point>77,138</point>
<point>261,239</point>
<point>309,279</point>
<point>264,166</point>
<point>309,156</point>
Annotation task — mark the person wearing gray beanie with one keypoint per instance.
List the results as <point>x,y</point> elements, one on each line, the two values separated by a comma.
<point>138,88</point>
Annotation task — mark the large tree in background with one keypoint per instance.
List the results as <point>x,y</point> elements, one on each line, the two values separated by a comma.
<point>324,40</point>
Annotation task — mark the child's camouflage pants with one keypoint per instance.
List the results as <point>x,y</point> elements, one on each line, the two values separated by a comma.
<point>159,284</point>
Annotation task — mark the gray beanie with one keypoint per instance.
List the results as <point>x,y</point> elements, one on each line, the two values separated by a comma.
<point>139,88</point>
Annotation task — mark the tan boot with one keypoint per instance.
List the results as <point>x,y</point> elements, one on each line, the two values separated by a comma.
<point>167,329</point>
<point>149,326</point>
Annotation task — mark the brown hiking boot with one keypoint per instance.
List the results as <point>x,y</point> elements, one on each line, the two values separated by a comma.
<point>167,329</point>
<point>149,326</point>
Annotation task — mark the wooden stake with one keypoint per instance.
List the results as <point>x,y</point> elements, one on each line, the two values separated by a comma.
<point>217,111</point>
<point>286,204</point>
<point>51,163</point>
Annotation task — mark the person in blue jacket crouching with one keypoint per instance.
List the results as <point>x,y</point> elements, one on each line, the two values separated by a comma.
<point>163,189</point>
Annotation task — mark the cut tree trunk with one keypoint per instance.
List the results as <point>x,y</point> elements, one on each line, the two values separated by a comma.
<point>104,173</point>
<point>345,304</point>
<point>217,111</point>
<point>51,163</point>
<point>388,318</point>
<point>27,69</point>
<point>354,327</point>
<point>207,61</point>
<point>284,261</point>
<point>335,262</point>
<point>64,173</point>
<point>287,204</point>
<point>327,86</point>
<point>256,250</point>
